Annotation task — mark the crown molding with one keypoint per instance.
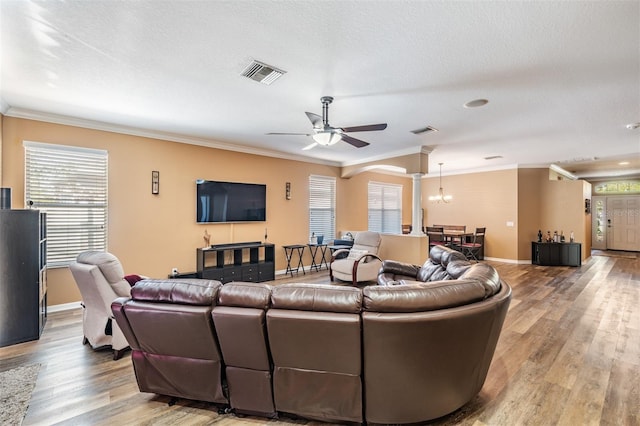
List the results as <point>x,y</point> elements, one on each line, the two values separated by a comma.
<point>153,134</point>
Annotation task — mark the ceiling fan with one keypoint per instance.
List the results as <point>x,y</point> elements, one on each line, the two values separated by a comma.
<point>325,134</point>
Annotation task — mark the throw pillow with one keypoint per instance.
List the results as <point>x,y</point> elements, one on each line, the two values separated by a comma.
<point>132,279</point>
<point>355,254</point>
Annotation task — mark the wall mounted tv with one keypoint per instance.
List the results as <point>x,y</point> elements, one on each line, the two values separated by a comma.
<point>220,202</point>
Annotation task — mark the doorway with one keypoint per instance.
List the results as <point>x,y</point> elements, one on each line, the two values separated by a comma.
<point>623,223</point>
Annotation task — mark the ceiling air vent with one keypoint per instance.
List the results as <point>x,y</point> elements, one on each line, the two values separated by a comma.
<point>424,130</point>
<point>262,73</point>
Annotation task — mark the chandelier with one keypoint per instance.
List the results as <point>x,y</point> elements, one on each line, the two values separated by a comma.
<point>441,198</point>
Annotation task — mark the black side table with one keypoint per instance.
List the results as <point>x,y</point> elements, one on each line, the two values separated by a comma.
<point>313,248</point>
<point>288,252</point>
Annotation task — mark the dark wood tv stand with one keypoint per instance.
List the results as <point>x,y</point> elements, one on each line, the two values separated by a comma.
<point>250,261</point>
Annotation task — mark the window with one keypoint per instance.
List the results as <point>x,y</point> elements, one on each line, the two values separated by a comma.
<point>322,206</point>
<point>70,185</point>
<point>385,207</point>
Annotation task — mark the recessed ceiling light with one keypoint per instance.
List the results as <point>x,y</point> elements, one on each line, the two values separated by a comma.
<point>623,163</point>
<point>476,103</point>
<point>633,126</point>
<point>424,130</point>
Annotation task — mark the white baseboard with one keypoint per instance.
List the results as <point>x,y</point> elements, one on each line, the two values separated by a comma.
<point>64,307</point>
<point>515,261</point>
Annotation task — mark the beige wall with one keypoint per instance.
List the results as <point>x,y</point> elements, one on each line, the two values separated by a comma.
<point>527,197</point>
<point>487,199</point>
<point>352,197</point>
<point>153,233</point>
<point>529,208</point>
<point>563,210</point>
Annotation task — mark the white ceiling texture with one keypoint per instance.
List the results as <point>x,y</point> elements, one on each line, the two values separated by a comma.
<point>562,77</point>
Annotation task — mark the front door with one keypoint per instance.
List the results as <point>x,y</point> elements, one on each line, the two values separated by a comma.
<point>623,223</point>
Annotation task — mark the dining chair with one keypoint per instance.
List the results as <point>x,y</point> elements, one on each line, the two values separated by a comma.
<point>436,236</point>
<point>473,245</point>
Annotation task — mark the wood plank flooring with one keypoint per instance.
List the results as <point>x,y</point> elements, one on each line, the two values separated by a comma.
<point>569,354</point>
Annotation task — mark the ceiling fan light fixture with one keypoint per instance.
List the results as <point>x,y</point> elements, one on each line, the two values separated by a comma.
<point>327,138</point>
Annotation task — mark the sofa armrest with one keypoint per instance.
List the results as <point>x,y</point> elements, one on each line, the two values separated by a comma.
<point>399,268</point>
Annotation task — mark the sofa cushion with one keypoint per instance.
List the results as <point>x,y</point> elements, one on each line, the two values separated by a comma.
<point>355,254</point>
<point>317,297</point>
<point>443,255</point>
<point>456,268</point>
<point>246,295</point>
<point>191,291</point>
<point>432,272</point>
<point>435,267</point>
<point>414,296</point>
<point>486,275</point>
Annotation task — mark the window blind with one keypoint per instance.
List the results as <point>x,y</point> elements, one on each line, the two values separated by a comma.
<point>70,185</point>
<point>322,206</point>
<point>385,207</point>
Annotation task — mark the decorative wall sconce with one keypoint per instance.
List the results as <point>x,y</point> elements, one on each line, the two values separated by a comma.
<point>155,182</point>
<point>287,191</point>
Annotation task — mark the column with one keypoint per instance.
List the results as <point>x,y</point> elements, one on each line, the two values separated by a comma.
<point>416,210</point>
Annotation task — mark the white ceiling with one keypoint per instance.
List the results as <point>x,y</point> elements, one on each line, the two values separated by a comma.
<point>562,77</point>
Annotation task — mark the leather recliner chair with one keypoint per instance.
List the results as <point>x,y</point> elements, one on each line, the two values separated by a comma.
<point>316,344</point>
<point>240,321</point>
<point>169,326</point>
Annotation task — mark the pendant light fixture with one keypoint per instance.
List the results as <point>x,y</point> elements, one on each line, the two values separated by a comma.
<point>441,198</point>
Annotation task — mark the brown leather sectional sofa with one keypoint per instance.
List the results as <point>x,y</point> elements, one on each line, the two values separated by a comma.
<point>403,352</point>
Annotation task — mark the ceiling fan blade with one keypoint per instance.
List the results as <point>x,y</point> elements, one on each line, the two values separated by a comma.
<point>355,142</point>
<point>367,128</point>
<point>315,119</point>
<point>311,145</point>
<point>276,133</point>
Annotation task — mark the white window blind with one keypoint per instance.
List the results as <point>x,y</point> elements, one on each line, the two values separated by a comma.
<point>385,207</point>
<point>322,206</point>
<point>70,185</point>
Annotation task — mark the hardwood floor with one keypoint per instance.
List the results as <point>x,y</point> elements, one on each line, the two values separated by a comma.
<point>569,354</point>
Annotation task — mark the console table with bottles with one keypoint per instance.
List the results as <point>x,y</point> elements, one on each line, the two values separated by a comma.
<point>556,254</point>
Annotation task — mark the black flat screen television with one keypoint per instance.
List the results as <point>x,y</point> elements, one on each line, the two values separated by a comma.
<point>219,202</point>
